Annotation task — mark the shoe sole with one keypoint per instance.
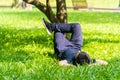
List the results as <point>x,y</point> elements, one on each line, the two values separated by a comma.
<point>46,27</point>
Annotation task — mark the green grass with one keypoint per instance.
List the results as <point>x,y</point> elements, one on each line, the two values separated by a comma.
<point>26,50</point>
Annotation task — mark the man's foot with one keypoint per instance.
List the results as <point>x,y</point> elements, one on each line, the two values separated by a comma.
<point>48,26</point>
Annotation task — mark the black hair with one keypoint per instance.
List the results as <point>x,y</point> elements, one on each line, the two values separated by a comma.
<point>82,58</point>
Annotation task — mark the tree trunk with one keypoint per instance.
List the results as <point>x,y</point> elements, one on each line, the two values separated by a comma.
<point>61,11</point>
<point>59,17</point>
<point>14,3</point>
<point>20,4</point>
<point>119,3</point>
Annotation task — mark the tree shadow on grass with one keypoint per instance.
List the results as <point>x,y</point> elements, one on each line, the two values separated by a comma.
<point>89,40</point>
<point>15,56</point>
<point>17,45</point>
<point>100,40</point>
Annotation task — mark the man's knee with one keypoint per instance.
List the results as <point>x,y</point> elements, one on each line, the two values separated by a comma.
<point>76,25</point>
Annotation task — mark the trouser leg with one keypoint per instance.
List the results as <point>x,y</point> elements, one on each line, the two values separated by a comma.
<point>60,43</point>
<point>76,31</point>
<point>76,37</point>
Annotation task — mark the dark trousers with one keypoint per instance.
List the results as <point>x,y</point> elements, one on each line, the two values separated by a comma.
<point>61,44</point>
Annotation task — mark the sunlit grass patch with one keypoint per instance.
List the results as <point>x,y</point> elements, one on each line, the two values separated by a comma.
<point>27,51</point>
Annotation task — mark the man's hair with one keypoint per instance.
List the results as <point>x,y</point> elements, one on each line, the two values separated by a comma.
<point>82,58</point>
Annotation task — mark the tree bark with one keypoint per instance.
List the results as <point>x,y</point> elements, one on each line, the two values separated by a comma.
<point>59,17</point>
<point>61,11</point>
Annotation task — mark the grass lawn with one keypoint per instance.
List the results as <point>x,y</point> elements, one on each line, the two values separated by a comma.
<point>26,50</point>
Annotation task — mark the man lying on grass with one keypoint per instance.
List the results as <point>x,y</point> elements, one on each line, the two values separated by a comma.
<point>69,51</point>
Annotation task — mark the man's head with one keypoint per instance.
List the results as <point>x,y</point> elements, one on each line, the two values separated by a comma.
<point>82,58</point>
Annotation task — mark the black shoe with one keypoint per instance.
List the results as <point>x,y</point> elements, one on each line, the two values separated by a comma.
<point>48,26</point>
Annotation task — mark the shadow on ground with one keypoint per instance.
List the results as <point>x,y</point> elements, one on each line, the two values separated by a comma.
<point>23,44</point>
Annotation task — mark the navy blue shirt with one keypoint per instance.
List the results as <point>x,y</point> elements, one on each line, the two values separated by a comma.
<point>69,54</point>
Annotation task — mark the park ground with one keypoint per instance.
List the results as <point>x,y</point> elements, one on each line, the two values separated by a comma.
<point>26,50</point>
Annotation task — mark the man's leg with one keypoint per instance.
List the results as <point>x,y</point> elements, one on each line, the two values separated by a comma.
<point>77,38</point>
<point>73,28</point>
<point>60,43</point>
